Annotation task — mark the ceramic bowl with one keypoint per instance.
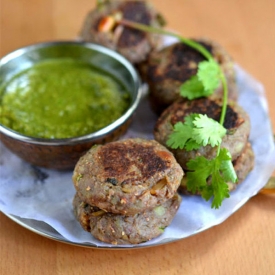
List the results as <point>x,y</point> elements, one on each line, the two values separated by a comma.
<point>64,153</point>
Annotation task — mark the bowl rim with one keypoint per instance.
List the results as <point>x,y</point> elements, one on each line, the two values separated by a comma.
<point>88,137</point>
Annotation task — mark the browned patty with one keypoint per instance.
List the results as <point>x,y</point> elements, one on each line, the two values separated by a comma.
<point>166,70</point>
<point>120,229</point>
<point>236,122</point>
<point>135,45</point>
<point>244,163</point>
<point>127,176</point>
<point>242,166</point>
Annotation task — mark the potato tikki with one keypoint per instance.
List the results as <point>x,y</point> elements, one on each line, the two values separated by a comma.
<point>100,26</point>
<point>166,70</point>
<point>127,180</point>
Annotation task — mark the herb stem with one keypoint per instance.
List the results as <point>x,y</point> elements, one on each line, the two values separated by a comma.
<point>224,103</point>
<point>151,29</point>
<point>193,44</point>
<point>225,95</point>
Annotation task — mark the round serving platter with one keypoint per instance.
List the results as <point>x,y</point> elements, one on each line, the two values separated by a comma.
<point>41,200</point>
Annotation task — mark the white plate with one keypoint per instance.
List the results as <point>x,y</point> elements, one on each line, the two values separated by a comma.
<point>41,199</point>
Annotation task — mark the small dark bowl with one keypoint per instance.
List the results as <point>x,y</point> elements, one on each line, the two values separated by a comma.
<point>64,153</point>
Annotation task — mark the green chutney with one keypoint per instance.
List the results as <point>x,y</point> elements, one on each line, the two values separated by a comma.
<point>61,98</point>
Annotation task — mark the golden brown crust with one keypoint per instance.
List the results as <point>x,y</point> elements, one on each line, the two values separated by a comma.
<point>120,229</point>
<point>135,45</point>
<point>127,176</point>
<point>166,70</point>
<point>138,161</point>
<point>206,106</point>
<point>237,123</point>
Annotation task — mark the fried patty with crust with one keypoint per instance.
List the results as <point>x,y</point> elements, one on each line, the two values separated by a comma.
<point>127,176</point>
<point>135,45</point>
<point>237,124</point>
<point>120,229</point>
<point>242,166</point>
<point>166,70</point>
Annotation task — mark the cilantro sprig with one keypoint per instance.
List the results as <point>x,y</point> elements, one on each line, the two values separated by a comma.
<point>209,177</point>
<point>204,82</point>
<point>209,72</point>
<point>219,169</point>
<point>197,130</point>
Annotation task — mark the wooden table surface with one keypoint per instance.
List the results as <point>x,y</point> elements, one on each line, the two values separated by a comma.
<point>245,242</point>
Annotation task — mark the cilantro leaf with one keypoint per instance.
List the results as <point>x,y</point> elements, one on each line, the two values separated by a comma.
<point>197,179</point>
<point>193,88</point>
<point>220,189</point>
<point>209,75</point>
<point>190,118</point>
<point>208,131</point>
<point>182,132</point>
<point>226,167</point>
<point>192,145</point>
<point>196,131</point>
<point>204,83</point>
<point>209,177</point>
<point>182,135</point>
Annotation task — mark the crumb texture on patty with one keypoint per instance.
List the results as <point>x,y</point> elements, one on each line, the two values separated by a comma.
<point>134,44</point>
<point>237,124</point>
<point>121,229</point>
<point>127,176</point>
<point>167,69</point>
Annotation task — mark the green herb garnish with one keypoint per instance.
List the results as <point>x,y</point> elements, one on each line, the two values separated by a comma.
<point>209,177</point>
<point>197,130</point>
<point>204,82</point>
<point>218,171</point>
